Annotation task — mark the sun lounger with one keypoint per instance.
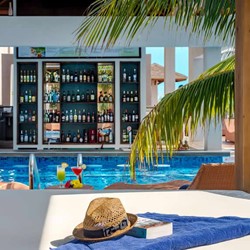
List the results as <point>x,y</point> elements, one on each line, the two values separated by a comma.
<point>213,176</point>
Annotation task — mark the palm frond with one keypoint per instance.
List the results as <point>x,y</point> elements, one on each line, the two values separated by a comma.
<point>107,20</point>
<point>210,96</point>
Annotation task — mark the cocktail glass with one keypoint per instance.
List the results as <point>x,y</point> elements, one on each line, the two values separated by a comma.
<point>60,175</point>
<point>77,171</point>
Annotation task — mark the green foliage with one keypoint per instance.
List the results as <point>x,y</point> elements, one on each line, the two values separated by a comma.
<point>209,97</point>
<point>107,20</point>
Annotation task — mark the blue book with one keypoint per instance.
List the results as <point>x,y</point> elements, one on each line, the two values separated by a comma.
<point>151,229</point>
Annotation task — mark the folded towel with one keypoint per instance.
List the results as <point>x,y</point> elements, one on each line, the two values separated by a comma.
<point>188,232</point>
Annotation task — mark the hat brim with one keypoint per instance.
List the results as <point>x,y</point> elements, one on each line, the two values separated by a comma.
<point>78,230</point>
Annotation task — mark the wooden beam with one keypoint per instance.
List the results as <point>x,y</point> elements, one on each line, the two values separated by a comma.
<point>242,95</point>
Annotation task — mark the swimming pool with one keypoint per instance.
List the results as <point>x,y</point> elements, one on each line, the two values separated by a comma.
<point>104,170</point>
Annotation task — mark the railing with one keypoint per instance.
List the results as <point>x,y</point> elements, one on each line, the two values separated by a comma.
<point>34,178</point>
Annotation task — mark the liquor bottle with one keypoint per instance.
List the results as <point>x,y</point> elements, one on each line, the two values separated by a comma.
<point>129,77</point>
<point>68,97</point>
<point>78,135</point>
<point>30,96</point>
<point>73,97</point>
<point>76,77</point>
<point>71,118</point>
<point>71,77</point>
<point>134,76</point>
<point>92,96</point>
<point>105,98</point>
<point>63,76</point>
<point>87,96</point>
<point>124,99</point>
<point>24,76</point>
<point>78,97</point>
<point>124,135</point>
<point>46,117</point>
<point>67,76</point>
<point>63,117</point>
<point>21,136</point>
<point>110,136</point>
<point>31,76</point>
<point>33,116</point>
<point>64,97</point>
<point>111,116</point>
<point>26,137</point>
<point>131,96</point>
<point>101,97</point>
<point>21,116</point>
<point>74,139</point>
<point>79,118</point>
<point>21,76</point>
<point>127,97</point>
<point>82,97</point>
<point>84,76</point>
<point>86,137</point>
<point>68,137</point>
<point>88,118</point>
<point>63,139</point>
<point>136,117</point>
<point>93,117</point>
<point>126,115</point>
<point>83,115</point>
<point>136,97</point>
<point>34,136</point>
<point>98,117</point>
<point>75,116</point>
<point>26,96</point>
<point>110,98</point>
<point>57,119</point>
<point>21,99</point>
<point>124,75</point>
<point>46,97</point>
<point>30,136</point>
<point>51,116</point>
<point>28,76</point>
<point>66,116</point>
<point>92,77</point>
<point>88,77</point>
<point>33,98</point>
<point>34,76</point>
<point>133,116</point>
<point>26,115</point>
<point>80,76</point>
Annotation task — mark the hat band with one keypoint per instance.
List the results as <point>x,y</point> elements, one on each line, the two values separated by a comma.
<point>105,232</point>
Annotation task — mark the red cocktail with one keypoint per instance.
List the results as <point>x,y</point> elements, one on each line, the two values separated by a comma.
<point>77,170</point>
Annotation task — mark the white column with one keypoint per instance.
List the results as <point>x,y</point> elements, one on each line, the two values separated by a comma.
<point>148,81</point>
<point>212,140</point>
<point>196,67</point>
<point>169,70</point>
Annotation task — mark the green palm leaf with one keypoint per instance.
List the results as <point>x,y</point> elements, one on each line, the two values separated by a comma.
<point>107,20</point>
<point>211,96</point>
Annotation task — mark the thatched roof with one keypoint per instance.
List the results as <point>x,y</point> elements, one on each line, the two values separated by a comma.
<point>157,74</point>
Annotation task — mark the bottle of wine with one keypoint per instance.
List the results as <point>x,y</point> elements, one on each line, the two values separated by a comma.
<point>10,11</point>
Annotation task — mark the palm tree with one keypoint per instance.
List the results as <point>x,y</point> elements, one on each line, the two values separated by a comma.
<point>210,96</point>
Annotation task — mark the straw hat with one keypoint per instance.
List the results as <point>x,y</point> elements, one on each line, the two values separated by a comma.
<point>105,218</point>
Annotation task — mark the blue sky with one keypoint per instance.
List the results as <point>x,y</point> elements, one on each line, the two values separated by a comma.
<point>181,63</point>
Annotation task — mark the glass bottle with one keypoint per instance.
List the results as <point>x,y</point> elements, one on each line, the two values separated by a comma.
<point>136,97</point>
<point>10,11</point>
<point>134,76</point>
<point>110,97</point>
<point>21,136</point>
<point>75,116</point>
<point>124,75</point>
<point>92,96</point>
<point>101,97</point>
<point>83,115</point>
<point>68,97</point>
<point>78,97</point>
<point>71,117</point>
<point>63,76</point>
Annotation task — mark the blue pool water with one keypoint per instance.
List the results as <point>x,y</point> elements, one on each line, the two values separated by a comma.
<point>103,171</point>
